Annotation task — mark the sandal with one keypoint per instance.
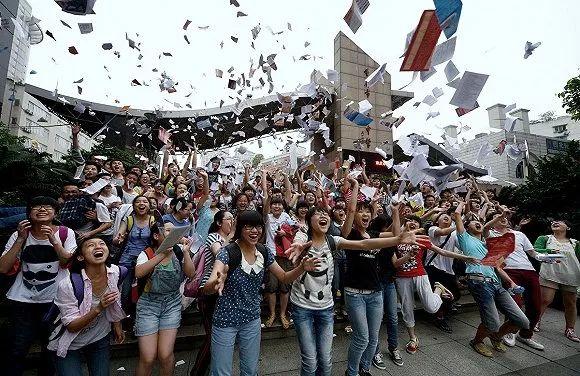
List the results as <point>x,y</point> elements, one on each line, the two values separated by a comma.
<point>285,322</point>
<point>270,321</point>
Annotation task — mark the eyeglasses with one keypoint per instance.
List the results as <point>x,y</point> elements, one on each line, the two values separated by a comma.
<point>253,227</point>
<point>45,207</point>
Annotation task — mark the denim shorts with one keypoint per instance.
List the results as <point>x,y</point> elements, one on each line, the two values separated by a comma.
<point>157,312</point>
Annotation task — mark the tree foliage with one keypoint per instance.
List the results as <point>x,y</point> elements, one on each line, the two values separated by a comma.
<point>571,97</point>
<point>552,191</point>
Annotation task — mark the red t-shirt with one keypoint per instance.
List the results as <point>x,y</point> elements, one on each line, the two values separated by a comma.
<point>413,267</point>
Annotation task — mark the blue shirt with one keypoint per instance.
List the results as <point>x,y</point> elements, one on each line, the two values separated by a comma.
<point>241,297</point>
<point>137,241</point>
<point>473,247</point>
<point>170,218</point>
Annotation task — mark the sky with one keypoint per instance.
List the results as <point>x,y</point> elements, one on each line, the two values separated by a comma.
<point>490,40</point>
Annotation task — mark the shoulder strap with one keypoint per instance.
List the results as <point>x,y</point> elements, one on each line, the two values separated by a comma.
<point>78,285</point>
<point>178,253</point>
<point>119,191</point>
<point>62,234</point>
<point>435,254</point>
<point>123,271</point>
<point>263,250</point>
<point>331,242</point>
<point>234,256</point>
<point>130,222</point>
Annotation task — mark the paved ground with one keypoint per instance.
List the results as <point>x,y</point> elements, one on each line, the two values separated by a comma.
<point>439,353</point>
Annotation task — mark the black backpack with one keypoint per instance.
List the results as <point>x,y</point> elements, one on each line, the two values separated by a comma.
<point>235,257</point>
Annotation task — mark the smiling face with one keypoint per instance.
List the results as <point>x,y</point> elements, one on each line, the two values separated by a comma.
<point>559,226</point>
<point>69,192</point>
<point>94,252</point>
<point>141,205</point>
<point>242,203</point>
<point>173,169</point>
<point>362,218</point>
<point>226,225</point>
<point>444,221</point>
<point>475,228</point>
<point>429,202</point>
<point>181,190</point>
<point>131,180</point>
<point>310,198</point>
<point>320,221</point>
<point>251,234</point>
<point>153,203</point>
<point>42,214</point>
<point>117,167</point>
<point>302,212</point>
<point>144,180</point>
<point>158,187</point>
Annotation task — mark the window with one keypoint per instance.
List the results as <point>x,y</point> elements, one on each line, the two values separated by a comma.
<point>62,143</point>
<point>520,170</point>
<point>560,128</point>
<point>39,131</point>
<point>28,127</point>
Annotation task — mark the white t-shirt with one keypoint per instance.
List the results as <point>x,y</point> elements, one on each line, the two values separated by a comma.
<point>109,200</point>
<point>40,270</point>
<point>518,259</point>
<point>272,226</point>
<point>442,262</point>
<point>313,290</point>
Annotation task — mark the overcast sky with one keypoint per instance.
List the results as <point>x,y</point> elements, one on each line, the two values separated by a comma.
<point>491,38</point>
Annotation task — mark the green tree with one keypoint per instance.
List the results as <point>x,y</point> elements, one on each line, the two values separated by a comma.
<point>552,191</point>
<point>571,97</point>
<point>257,159</point>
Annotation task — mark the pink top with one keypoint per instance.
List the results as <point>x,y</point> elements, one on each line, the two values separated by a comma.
<point>70,310</point>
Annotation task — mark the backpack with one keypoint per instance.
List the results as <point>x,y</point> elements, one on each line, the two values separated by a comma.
<point>192,286</point>
<point>72,213</point>
<point>235,256</point>
<point>52,316</point>
<point>138,285</point>
<point>62,235</point>
<point>131,222</point>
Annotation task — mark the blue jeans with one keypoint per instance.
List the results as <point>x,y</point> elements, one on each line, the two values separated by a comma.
<point>97,355</point>
<point>222,348</point>
<point>390,307</point>
<point>365,312</point>
<point>491,297</point>
<point>314,328</point>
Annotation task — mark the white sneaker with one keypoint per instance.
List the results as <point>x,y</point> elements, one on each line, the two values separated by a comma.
<point>509,339</point>
<point>530,342</point>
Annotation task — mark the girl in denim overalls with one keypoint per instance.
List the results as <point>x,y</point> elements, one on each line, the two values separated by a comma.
<point>159,306</point>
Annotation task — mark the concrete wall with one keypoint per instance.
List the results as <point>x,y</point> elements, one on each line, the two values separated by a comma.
<point>554,128</point>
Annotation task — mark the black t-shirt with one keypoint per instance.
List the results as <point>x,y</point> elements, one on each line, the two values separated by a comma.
<point>362,267</point>
<point>386,268</point>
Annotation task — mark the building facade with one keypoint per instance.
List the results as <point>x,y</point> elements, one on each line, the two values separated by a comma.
<point>499,164</point>
<point>562,127</point>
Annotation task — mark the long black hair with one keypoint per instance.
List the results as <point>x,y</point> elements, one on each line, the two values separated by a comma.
<point>217,221</point>
<point>75,265</point>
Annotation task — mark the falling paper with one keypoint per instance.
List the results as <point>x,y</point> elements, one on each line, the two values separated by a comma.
<point>353,17</point>
<point>443,52</point>
<point>73,50</point>
<point>448,13</point>
<point>529,48</point>
<point>429,100</point>
<point>418,55</point>
<point>261,126</point>
<point>369,192</point>
<point>203,124</point>
<point>85,28</point>
<point>455,83</point>
<point>364,107</point>
<point>469,89</point>
<point>462,111</point>
<point>356,117</point>
<point>376,76</point>
<point>509,123</point>
<point>425,75</point>
<point>509,108</point>
<point>437,92</point>
<point>451,71</point>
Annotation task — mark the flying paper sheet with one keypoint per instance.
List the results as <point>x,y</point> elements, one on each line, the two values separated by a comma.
<point>418,55</point>
<point>85,28</point>
<point>509,108</point>
<point>455,83</point>
<point>484,150</point>
<point>376,76</point>
<point>425,75</point>
<point>174,237</point>
<point>451,71</point>
<point>529,48</point>
<point>509,123</point>
<point>96,186</point>
<point>498,249</point>
<point>443,52</point>
<point>429,100</point>
<point>353,17</point>
<point>463,111</point>
<point>203,124</point>
<point>364,107</point>
<point>448,13</point>
<point>469,89</point>
<point>369,192</point>
<point>78,7</point>
<point>356,117</point>
<point>437,92</point>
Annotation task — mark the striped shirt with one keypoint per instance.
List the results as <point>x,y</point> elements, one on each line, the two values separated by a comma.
<point>209,257</point>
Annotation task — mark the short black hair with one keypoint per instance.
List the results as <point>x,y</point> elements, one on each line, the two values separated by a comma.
<point>131,172</point>
<point>379,223</point>
<point>276,200</point>
<point>415,219</point>
<point>41,200</point>
<point>302,204</point>
<point>249,218</point>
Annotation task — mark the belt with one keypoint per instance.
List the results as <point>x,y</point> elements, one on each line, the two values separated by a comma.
<point>480,278</point>
<point>358,291</point>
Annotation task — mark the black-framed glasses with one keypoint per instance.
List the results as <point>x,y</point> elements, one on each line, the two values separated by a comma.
<point>45,207</point>
<point>253,227</point>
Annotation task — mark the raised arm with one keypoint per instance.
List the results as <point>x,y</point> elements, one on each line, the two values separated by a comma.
<point>366,180</point>
<point>185,169</point>
<point>351,209</point>
<point>288,189</point>
<point>457,218</point>
<point>205,195</point>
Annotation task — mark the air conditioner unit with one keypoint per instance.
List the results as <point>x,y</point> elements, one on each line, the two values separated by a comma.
<point>16,102</point>
<point>14,121</point>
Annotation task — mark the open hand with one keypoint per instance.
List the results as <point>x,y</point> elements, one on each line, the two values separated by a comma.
<point>310,263</point>
<point>108,299</point>
<point>23,229</point>
<point>296,249</point>
<point>47,230</point>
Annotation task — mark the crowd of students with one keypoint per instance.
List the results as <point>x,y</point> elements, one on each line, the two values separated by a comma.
<point>88,265</point>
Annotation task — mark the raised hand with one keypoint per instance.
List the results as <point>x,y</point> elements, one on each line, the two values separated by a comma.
<point>47,230</point>
<point>220,283</point>
<point>295,250</point>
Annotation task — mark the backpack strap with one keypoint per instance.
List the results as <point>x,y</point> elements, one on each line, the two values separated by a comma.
<point>62,234</point>
<point>119,191</point>
<point>130,222</point>
<point>78,285</point>
<point>178,252</point>
<point>436,254</point>
<point>331,242</point>
<point>123,272</point>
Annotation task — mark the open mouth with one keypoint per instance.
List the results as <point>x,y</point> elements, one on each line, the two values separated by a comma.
<point>99,254</point>
<point>323,222</point>
<point>478,227</point>
<point>254,237</point>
